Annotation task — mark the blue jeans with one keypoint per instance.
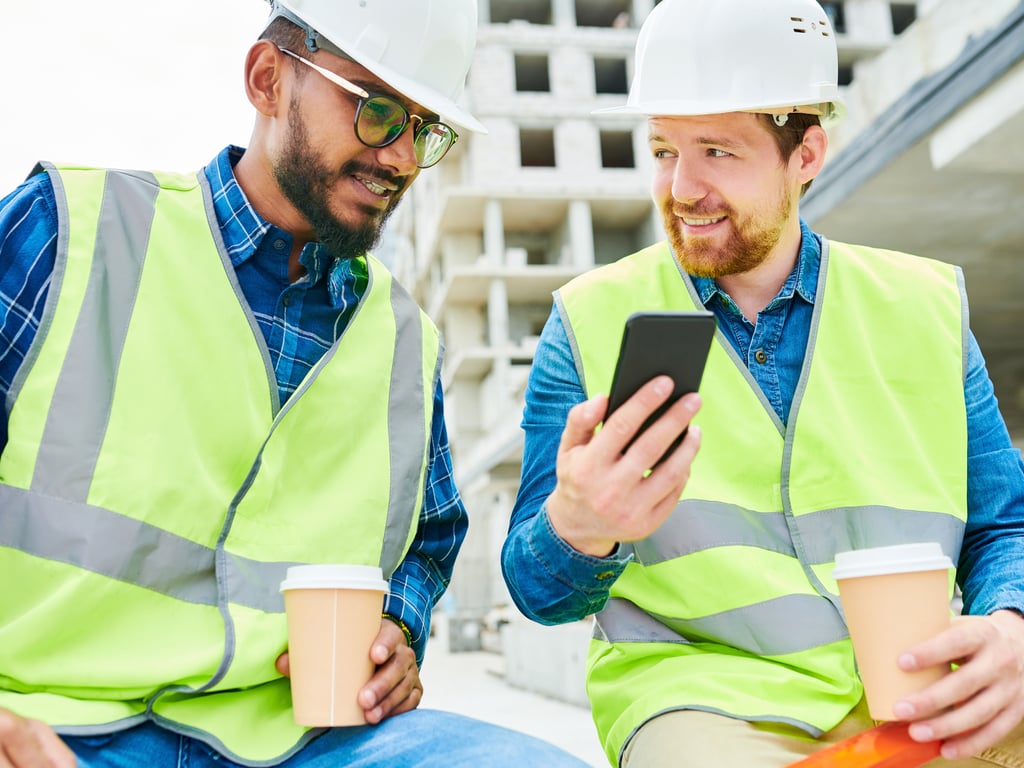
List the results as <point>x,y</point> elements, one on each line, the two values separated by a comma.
<point>423,738</point>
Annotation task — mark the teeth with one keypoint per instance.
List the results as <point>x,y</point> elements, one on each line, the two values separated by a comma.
<point>700,222</point>
<point>374,187</point>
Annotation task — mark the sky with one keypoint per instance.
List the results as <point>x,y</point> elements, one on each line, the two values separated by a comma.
<point>125,83</point>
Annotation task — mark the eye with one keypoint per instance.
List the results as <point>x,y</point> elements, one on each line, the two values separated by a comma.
<point>662,154</point>
<point>718,153</point>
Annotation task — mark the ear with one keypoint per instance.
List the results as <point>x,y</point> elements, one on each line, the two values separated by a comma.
<point>810,155</point>
<point>264,68</point>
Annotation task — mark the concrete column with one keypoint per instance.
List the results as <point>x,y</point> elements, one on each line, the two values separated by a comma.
<point>868,21</point>
<point>563,13</point>
<point>483,12</point>
<point>497,328</point>
<point>497,313</point>
<point>494,233</point>
<point>640,10</point>
<point>581,234</point>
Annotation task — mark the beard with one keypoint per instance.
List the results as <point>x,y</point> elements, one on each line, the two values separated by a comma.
<point>749,243</point>
<point>307,183</point>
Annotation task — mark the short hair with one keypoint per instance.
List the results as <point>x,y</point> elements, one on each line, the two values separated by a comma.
<point>285,34</point>
<point>791,135</point>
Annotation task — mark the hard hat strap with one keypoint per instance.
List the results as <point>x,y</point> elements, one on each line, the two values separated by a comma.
<point>314,40</point>
<point>824,110</point>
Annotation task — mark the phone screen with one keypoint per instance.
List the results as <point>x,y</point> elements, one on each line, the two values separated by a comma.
<point>653,343</point>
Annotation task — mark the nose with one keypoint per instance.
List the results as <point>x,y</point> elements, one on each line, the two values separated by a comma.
<point>400,155</point>
<point>688,185</point>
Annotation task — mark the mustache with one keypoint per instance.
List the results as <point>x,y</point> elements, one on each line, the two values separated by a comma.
<point>373,173</point>
<point>701,211</point>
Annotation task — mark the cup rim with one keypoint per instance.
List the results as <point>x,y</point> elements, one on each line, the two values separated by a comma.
<point>897,558</point>
<point>334,576</point>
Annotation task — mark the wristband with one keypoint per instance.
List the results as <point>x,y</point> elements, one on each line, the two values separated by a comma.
<point>401,625</point>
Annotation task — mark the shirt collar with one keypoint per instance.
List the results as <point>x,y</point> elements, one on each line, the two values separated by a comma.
<point>803,280</point>
<point>243,229</point>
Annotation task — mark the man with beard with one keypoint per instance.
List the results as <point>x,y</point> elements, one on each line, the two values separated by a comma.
<point>207,379</point>
<point>845,404</point>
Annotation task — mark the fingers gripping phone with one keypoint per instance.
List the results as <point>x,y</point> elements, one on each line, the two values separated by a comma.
<point>672,343</point>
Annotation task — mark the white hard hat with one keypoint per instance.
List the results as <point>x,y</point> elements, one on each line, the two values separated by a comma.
<point>421,48</point>
<point>704,57</point>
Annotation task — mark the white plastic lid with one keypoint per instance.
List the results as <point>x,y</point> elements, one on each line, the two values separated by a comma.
<point>334,577</point>
<point>900,558</point>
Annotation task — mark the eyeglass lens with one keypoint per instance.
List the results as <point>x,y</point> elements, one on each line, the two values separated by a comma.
<point>381,120</point>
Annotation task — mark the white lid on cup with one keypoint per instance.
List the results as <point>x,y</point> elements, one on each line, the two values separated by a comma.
<point>334,577</point>
<point>899,558</point>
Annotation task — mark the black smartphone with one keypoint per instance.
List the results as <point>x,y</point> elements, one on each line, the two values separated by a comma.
<point>672,343</point>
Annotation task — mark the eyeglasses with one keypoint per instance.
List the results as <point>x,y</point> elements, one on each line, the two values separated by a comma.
<point>380,120</point>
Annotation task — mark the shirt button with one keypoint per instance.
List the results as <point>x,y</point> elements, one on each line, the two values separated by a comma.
<point>280,245</point>
<point>761,357</point>
<point>286,300</point>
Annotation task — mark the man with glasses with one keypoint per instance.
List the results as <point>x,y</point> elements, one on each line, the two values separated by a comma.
<point>207,379</point>
<point>380,119</point>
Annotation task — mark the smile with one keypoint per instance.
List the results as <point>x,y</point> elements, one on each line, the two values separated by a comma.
<point>376,188</point>
<point>701,222</point>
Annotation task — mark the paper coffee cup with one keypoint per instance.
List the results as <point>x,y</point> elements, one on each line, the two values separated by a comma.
<point>893,597</point>
<point>334,614</point>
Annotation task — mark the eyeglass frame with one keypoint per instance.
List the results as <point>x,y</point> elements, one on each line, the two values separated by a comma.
<point>365,96</point>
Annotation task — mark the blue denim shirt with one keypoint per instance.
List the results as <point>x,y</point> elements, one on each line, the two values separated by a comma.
<point>552,583</point>
<point>299,321</point>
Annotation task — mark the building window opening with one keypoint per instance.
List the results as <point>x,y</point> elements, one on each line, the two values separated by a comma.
<point>532,73</point>
<point>532,11</point>
<point>617,149</point>
<point>845,74</point>
<point>902,17</point>
<point>537,257</point>
<point>537,147</point>
<point>604,14</point>
<point>836,16</point>
<point>610,76</point>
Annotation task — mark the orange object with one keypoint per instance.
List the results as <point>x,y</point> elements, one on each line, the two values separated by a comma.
<point>885,746</point>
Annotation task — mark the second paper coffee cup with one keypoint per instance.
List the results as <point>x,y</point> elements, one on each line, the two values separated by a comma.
<point>893,597</point>
<point>334,614</point>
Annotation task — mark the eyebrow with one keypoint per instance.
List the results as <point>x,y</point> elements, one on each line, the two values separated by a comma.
<point>381,89</point>
<point>376,89</point>
<point>718,142</point>
<point>700,141</point>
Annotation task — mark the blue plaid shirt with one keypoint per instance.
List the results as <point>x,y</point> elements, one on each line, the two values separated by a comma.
<point>300,321</point>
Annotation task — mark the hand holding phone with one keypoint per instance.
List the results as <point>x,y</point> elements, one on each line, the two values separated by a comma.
<point>675,344</point>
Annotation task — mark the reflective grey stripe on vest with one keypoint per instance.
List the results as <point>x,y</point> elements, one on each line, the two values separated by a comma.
<point>53,521</point>
<point>696,525</point>
<point>406,426</point>
<point>113,545</point>
<point>84,391</point>
<point>765,629</point>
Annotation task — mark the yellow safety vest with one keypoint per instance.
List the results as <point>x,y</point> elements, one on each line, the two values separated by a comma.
<point>730,606</point>
<point>154,491</point>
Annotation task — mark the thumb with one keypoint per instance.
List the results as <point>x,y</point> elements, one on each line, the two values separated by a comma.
<point>581,422</point>
<point>282,664</point>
